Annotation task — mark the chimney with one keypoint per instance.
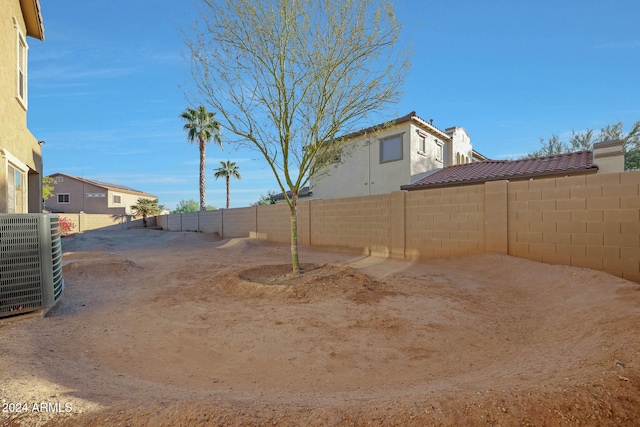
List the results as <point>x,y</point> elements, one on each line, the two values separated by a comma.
<point>609,156</point>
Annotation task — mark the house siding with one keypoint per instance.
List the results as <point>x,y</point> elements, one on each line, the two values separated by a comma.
<point>17,145</point>
<point>84,197</point>
<point>362,173</point>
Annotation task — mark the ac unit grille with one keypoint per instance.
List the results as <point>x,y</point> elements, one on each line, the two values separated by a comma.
<point>56,256</point>
<point>30,262</point>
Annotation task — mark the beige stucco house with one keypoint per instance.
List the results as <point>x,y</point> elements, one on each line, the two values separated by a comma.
<point>20,151</point>
<point>406,150</point>
<point>72,194</point>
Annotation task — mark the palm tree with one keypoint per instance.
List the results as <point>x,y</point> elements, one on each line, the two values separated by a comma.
<point>145,208</point>
<point>202,127</point>
<point>228,170</point>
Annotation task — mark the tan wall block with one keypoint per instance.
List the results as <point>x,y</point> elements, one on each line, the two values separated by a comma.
<point>630,253</point>
<point>530,237</point>
<point>603,251</point>
<point>571,250</point>
<point>587,262</point>
<point>630,202</point>
<point>542,248</point>
<point>630,227</point>
<point>460,199</point>
<point>555,193</point>
<point>587,215</point>
<point>518,249</point>
<point>523,196</point>
<point>528,216</point>
<point>623,240</point>
<point>542,183</point>
<point>556,216</point>
<point>518,226</point>
<point>571,181</point>
<point>450,209</point>
<point>585,192</point>
<point>621,190</point>
<point>603,203</point>
<point>603,227</point>
<point>544,226</point>
<point>571,227</point>
<point>515,186</point>
<point>618,266</point>
<point>603,179</point>
<point>622,215</point>
<point>554,237</point>
<point>556,259</point>
<point>542,205</point>
<point>571,204</point>
<point>592,239</point>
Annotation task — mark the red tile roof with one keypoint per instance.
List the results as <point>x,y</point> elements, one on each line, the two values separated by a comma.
<point>580,162</point>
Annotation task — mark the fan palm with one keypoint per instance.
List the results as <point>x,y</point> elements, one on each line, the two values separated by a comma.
<point>146,208</point>
<point>228,170</point>
<point>201,127</point>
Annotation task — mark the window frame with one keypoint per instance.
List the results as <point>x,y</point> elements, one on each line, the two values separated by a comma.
<point>63,194</point>
<point>388,138</point>
<point>22,61</point>
<point>439,151</point>
<point>17,193</point>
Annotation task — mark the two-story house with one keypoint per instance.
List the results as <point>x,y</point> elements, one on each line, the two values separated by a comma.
<point>381,161</point>
<point>73,194</point>
<point>20,151</point>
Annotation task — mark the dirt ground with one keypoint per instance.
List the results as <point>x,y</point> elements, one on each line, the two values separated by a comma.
<point>182,329</point>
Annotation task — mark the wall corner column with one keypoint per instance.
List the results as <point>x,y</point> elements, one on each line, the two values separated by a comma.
<point>397,226</point>
<point>495,217</point>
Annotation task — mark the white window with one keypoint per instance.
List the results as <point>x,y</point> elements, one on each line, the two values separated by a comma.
<point>22,70</point>
<point>117,199</point>
<point>64,198</point>
<point>59,178</point>
<point>439,151</point>
<point>422,143</point>
<point>391,149</point>
<point>95,195</point>
<point>16,190</point>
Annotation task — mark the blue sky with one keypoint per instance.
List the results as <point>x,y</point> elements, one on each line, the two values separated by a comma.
<point>106,87</point>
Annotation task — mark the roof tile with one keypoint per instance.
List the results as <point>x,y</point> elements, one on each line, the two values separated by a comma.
<point>494,170</point>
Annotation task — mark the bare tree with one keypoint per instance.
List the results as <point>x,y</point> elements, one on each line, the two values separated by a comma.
<point>585,140</point>
<point>289,76</point>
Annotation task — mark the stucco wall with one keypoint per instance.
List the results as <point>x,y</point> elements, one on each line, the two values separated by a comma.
<point>15,139</point>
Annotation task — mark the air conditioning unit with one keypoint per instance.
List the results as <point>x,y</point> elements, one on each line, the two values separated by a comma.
<point>30,262</point>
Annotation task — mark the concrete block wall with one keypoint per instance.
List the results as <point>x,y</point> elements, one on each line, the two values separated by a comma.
<point>274,223</point>
<point>239,222</point>
<point>590,221</point>
<point>210,221</point>
<point>361,223</point>
<point>85,222</point>
<point>445,222</point>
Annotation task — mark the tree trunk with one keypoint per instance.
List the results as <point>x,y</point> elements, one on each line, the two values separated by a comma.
<point>295,262</point>
<point>228,199</point>
<point>203,156</point>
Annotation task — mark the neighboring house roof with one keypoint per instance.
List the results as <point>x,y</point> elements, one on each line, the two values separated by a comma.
<point>580,162</point>
<point>478,157</point>
<point>406,118</point>
<point>304,192</point>
<point>108,185</point>
<point>33,18</point>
